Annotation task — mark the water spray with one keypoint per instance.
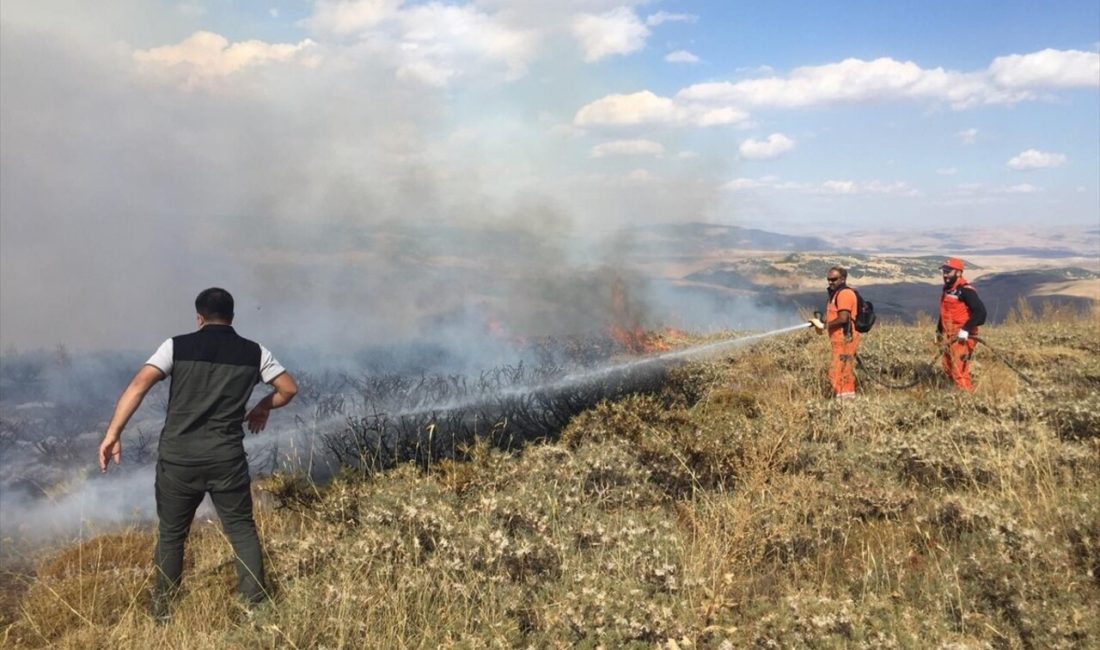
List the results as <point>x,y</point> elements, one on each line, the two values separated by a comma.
<point>695,351</point>
<point>589,376</point>
<point>129,489</point>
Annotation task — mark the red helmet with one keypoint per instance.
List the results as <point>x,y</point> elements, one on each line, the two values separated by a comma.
<point>953,263</point>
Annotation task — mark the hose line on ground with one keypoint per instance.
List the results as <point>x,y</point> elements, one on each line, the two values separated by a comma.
<point>1005,361</point>
<point>870,374</point>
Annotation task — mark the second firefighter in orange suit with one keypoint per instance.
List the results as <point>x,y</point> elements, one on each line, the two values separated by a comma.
<point>840,316</point>
<point>961,312</point>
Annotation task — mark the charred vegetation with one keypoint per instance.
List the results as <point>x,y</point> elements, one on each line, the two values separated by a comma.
<point>434,417</point>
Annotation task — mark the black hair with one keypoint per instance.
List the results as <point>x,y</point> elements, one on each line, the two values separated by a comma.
<point>215,304</point>
<point>841,271</point>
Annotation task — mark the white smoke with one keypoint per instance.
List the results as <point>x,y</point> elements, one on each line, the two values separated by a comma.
<point>347,207</point>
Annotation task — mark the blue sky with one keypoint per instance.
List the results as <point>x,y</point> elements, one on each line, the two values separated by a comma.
<point>871,153</point>
<point>650,95</point>
<point>235,136</point>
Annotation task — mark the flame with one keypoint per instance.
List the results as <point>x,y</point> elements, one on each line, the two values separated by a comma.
<point>638,341</point>
<point>495,328</point>
<point>626,328</point>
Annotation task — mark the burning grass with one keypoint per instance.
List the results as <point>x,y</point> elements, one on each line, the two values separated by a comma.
<point>732,505</point>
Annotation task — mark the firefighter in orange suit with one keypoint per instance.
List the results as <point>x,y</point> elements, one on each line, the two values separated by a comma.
<point>961,312</point>
<point>840,317</point>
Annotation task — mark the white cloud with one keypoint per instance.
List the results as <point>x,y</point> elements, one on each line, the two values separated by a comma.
<point>897,188</point>
<point>1035,159</point>
<point>837,187</point>
<point>433,43</point>
<point>274,12</point>
<point>567,131</point>
<point>665,17</point>
<point>1047,68</point>
<point>739,184</point>
<point>191,9</point>
<point>846,187</point>
<point>439,43</point>
<point>638,147</point>
<point>947,171</point>
<point>1008,80</point>
<point>983,194</point>
<point>206,55</point>
<point>647,108</point>
<point>849,81</point>
<point>681,56</point>
<point>968,136</point>
<point>636,108</point>
<point>982,188</point>
<point>825,188</point>
<point>342,17</point>
<point>618,31</point>
<point>774,146</point>
<point>757,71</point>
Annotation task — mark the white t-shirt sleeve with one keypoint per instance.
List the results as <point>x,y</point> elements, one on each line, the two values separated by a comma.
<point>270,368</point>
<point>162,358</point>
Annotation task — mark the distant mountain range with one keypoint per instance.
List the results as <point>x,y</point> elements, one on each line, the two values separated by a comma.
<point>815,265</point>
<point>777,270</point>
<point>906,300</point>
<point>700,237</point>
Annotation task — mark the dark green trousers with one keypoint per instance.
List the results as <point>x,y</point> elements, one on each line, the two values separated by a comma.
<point>180,489</point>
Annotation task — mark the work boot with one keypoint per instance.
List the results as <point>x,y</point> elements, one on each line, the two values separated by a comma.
<point>160,605</point>
<point>253,610</point>
<point>159,609</point>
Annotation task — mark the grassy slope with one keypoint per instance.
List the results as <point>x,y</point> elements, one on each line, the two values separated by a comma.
<point>738,506</point>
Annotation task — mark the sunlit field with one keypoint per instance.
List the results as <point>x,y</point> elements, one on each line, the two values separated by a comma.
<point>734,505</point>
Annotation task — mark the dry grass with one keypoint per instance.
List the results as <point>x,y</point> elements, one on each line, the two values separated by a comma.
<point>737,508</point>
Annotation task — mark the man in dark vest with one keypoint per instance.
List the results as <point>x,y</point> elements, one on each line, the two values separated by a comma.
<point>201,447</point>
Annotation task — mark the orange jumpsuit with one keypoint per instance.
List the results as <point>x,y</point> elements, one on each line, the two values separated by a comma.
<point>954,315</point>
<point>845,343</point>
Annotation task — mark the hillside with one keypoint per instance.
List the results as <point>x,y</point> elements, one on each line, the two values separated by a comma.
<point>736,506</point>
<point>900,287</point>
<point>706,238</point>
<point>701,268</point>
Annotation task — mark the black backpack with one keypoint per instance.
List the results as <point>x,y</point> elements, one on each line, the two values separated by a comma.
<point>865,312</point>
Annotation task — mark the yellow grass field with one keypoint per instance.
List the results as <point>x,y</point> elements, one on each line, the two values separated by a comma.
<point>738,507</point>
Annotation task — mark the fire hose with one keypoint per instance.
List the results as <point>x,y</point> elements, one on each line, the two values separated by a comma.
<point>870,374</point>
<point>1005,361</point>
<point>867,371</point>
<point>998,356</point>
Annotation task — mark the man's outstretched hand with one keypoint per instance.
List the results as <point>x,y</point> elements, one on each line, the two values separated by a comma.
<point>285,390</point>
<point>257,417</point>
<point>128,403</point>
<point>110,448</point>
